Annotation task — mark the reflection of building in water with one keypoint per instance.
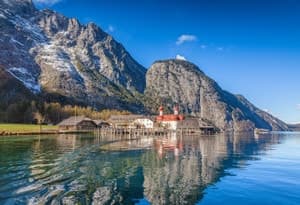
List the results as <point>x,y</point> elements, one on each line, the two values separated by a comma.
<point>127,145</point>
<point>213,151</point>
<point>69,142</point>
<point>168,143</point>
<point>179,180</point>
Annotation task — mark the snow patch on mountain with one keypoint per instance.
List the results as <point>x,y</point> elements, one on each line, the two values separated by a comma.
<point>7,2</point>
<point>55,57</point>
<point>29,27</point>
<point>16,42</point>
<point>2,16</point>
<point>23,75</point>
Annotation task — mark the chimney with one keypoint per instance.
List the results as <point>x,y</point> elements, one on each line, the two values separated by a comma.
<point>161,111</point>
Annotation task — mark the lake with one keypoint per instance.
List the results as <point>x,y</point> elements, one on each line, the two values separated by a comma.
<point>239,168</point>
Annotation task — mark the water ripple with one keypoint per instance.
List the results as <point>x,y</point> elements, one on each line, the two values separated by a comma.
<point>81,170</point>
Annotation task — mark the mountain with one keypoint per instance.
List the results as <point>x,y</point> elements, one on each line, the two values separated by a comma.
<point>180,82</point>
<point>46,56</point>
<point>57,56</point>
<point>294,127</point>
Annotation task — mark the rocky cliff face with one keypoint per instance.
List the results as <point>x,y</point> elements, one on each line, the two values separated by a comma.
<point>55,55</point>
<point>12,90</point>
<point>180,82</point>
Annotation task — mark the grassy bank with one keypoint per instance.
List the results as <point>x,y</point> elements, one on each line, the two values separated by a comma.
<point>24,128</point>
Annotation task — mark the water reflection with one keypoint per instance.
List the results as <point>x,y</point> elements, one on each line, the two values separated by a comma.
<point>69,169</point>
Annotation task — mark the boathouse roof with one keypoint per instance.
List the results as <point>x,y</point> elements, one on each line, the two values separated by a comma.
<point>74,120</point>
<point>100,122</point>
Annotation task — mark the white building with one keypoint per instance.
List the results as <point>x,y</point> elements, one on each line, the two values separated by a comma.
<point>143,123</point>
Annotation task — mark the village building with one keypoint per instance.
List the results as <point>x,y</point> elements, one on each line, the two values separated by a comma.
<point>189,123</point>
<point>143,122</point>
<point>169,121</point>
<point>77,123</point>
<point>122,121</point>
<point>102,124</point>
<point>131,121</point>
<point>194,125</point>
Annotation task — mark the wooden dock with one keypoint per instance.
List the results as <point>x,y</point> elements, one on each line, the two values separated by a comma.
<point>154,131</point>
<point>136,132</point>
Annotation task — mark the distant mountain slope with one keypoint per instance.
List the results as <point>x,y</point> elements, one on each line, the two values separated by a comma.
<point>180,82</point>
<point>294,127</point>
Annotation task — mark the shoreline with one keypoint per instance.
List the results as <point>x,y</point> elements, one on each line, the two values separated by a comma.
<point>42,133</point>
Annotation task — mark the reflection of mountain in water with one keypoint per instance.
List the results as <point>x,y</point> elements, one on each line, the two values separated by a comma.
<point>178,169</point>
<point>79,169</point>
<point>183,170</point>
<point>187,165</point>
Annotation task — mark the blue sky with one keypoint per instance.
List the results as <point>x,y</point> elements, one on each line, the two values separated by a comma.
<point>250,47</point>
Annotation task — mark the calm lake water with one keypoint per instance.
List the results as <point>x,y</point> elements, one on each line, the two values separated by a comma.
<point>222,169</point>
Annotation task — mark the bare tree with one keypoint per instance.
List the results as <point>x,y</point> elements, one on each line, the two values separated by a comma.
<point>40,119</point>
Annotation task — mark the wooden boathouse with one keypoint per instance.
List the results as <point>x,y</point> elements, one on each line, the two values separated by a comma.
<point>77,123</point>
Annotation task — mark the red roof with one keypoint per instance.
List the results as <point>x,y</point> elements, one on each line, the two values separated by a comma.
<point>169,118</point>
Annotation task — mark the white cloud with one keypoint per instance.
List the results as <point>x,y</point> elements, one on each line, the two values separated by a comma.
<point>180,57</point>
<point>46,2</point>
<point>110,29</point>
<point>185,38</point>
<point>220,49</point>
<point>298,106</point>
<point>203,46</point>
